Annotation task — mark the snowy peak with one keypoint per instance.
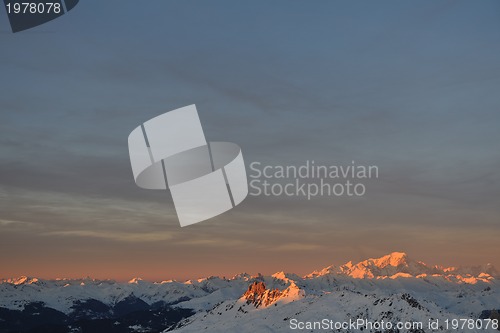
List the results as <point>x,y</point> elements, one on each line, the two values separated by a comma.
<point>398,265</point>
<point>135,280</point>
<point>22,280</point>
<point>394,259</point>
<point>488,269</point>
<point>285,277</point>
<point>242,276</point>
<point>390,261</point>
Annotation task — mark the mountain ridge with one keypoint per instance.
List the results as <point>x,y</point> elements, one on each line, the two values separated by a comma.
<point>392,265</point>
<point>393,286</point>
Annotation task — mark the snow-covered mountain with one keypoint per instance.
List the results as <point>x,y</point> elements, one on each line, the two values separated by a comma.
<point>393,288</point>
<point>397,264</point>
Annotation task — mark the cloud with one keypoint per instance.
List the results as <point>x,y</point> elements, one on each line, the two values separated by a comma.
<point>138,237</point>
<point>299,247</point>
<point>6,223</point>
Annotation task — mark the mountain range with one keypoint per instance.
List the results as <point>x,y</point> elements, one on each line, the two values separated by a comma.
<point>390,289</point>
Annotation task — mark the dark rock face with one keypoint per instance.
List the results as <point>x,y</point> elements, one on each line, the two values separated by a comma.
<point>491,314</point>
<point>258,295</point>
<point>411,301</point>
<point>92,316</point>
<point>256,288</point>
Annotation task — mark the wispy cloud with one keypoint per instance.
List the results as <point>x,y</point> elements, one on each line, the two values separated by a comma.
<point>299,247</point>
<point>5,222</point>
<point>115,236</point>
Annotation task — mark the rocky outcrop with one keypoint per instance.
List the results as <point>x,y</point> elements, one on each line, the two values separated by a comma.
<point>258,295</point>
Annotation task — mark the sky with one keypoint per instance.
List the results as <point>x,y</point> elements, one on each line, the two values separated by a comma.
<point>411,87</point>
